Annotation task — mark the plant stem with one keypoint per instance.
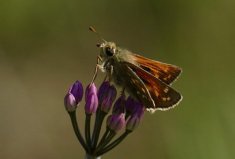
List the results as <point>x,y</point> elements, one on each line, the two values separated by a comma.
<point>88,131</point>
<point>76,130</point>
<point>114,143</point>
<point>103,139</point>
<point>92,157</point>
<point>96,132</point>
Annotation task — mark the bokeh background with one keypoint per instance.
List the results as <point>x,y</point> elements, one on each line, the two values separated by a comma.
<point>45,46</point>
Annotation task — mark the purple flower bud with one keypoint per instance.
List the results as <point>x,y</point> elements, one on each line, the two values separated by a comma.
<point>139,110</point>
<point>73,97</point>
<point>131,105</point>
<point>77,91</point>
<point>91,99</point>
<point>90,89</point>
<point>132,123</point>
<point>107,99</point>
<point>119,105</point>
<point>116,122</point>
<point>103,88</point>
<point>70,102</point>
<point>135,117</point>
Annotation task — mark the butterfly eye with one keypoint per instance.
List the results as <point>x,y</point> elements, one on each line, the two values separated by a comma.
<point>108,51</point>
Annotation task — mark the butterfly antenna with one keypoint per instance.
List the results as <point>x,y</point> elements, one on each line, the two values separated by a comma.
<point>91,28</point>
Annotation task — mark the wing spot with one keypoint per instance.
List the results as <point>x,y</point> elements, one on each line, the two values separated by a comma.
<point>166,89</point>
<point>156,93</point>
<point>168,98</point>
<point>166,78</point>
<point>164,99</point>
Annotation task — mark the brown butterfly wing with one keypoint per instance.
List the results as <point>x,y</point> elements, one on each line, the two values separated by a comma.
<point>164,97</point>
<point>165,72</point>
<point>134,85</point>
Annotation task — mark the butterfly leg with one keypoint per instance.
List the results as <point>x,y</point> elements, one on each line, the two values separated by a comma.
<point>123,91</point>
<point>96,68</point>
<point>109,73</point>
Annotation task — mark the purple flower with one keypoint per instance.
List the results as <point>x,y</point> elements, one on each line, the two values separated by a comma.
<point>73,96</point>
<point>116,122</point>
<point>70,102</point>
<point>136,115</point>
<point>119,105</point>
<point>131,105</point>
<point>139,111</point>
<point>106,95</point>
<point>90,89</point>
<point>132,123</point>
<point>134,120</point>
<point>77,91</point>
<point>91,99</point>
<point>103,88</point>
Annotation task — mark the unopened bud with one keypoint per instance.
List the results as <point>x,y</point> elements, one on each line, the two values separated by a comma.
<point>91,99</point>
<point>73,97</point>
<point>108,98</point>
<point>116,122</point>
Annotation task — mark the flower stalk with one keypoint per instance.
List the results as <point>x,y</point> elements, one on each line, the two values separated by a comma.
<point>114,143</point>
<point>88,131</point>
<point>98,123</point>
<point>77,131</point>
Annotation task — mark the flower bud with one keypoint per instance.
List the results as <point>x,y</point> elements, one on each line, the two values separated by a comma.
<point>70,102</point>
<point>91,99</point>
<point>119,105</point>
<point>103,88</point>
<point>90,89</point>
<point>139,111</point>
<point>107,99</point>
<point>136,116</point>
<point>73,97</point>
<point>130,105</point>
<point>132,123</point>
<point>77,91</point>
<point>116,122</point>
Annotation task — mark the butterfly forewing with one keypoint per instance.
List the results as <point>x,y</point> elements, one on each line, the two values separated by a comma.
<point>165,72</point>
<point>135,86</point>
<point>164,96</point>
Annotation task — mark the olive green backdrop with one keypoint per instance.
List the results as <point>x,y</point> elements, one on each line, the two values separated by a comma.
<point>45,46</point>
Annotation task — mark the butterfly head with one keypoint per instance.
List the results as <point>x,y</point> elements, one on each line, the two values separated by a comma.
<point>107,49</point>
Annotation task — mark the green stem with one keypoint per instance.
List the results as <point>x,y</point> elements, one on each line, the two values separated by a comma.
<point>96,132</point>
<point>113,144</point>
<point>76,130</point>
<point>103,140</point>
<point>88,131</point>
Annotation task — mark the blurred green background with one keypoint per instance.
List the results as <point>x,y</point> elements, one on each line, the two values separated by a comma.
<point>45,46</point>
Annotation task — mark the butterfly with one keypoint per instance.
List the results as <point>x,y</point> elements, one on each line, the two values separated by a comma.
<point>145,79</point>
